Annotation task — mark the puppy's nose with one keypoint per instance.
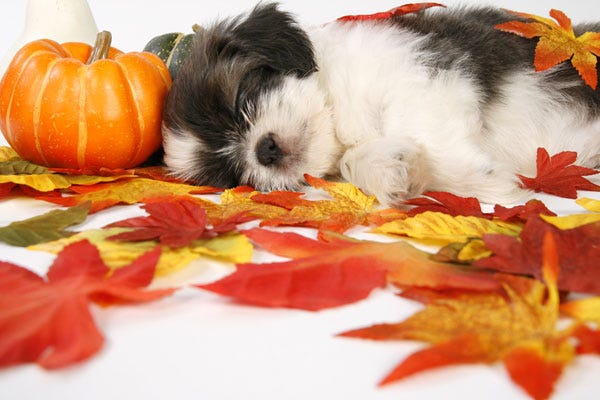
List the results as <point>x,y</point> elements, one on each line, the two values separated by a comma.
<point>267,151</point>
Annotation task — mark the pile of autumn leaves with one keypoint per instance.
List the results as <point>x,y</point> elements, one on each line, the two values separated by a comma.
<point>491,293</point>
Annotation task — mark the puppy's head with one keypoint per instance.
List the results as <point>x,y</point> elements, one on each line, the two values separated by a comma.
<point>246,107</point>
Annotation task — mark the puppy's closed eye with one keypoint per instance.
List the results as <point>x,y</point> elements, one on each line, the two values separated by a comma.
<point>256,82</point>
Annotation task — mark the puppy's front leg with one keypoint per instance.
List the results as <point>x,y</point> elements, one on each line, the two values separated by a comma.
<point>391,171</point>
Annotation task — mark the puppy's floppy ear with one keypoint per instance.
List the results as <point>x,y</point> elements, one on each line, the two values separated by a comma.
<point>275,36</point>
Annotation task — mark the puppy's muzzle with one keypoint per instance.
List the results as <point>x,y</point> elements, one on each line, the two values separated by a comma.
<point>268,152</point>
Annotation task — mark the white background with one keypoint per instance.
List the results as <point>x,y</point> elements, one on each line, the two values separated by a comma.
<point>198,345</point>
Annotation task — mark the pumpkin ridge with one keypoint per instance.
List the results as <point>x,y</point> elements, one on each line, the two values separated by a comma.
<point>37,109</point>
<point>138,112</point>
<point>159,65</point>
<point>8,134</point>
<point>82,131</point>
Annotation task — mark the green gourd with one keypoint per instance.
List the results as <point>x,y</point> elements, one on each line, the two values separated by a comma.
<point>172,48</point>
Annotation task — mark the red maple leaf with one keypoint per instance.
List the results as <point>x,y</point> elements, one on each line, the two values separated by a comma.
<point>48,321</point>
<point>173,223</point>
<point>396,11</point>
<point>454,205</point>
<point>578,249</point>
<point>556,175</point>
<point>6,189</point>
<point>446,203</point>
<point>531,209</point>
<point>337,271</point>
<point>588,338</point>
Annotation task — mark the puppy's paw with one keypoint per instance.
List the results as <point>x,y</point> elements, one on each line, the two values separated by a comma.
<point>387,170</point>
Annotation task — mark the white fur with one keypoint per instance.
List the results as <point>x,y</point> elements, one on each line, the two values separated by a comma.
<point>181,150</point>
<point>405,131</point>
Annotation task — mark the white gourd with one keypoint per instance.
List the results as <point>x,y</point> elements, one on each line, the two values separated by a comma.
<point>60,20</point>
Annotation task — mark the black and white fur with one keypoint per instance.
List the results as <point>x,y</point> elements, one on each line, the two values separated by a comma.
<point>438,100</point>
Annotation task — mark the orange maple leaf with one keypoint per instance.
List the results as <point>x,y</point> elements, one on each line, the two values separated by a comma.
<point>516,325</point>
<point>558,43</point>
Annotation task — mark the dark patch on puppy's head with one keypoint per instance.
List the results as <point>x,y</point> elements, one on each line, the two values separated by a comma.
<point>213,99</point>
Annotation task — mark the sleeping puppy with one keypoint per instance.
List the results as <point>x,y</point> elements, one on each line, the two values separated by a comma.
<point>438,100</point>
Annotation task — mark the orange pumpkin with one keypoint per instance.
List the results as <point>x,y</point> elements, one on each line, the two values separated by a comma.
<point>72,106</point>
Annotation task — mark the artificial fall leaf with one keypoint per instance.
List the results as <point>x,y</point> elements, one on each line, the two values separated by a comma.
<point>283,199</point>
<point>589,204</point>
<point>172,223</point>
<point>153,172</point>
<point>463,253</point>
<point>310,283</point>
<point>576,220</point>
<point>588,339</point>
<point>42,180</point>
<point>44,228</point>
<point>237,203</point>
<point>558,176</point>
<point>444,229</point>
<point>579,251</point>
<point>383,216</point>
<point>8,154</point>
<point>231,248</point>
<point>21,167</point>
<point>446,203</point>
<point>347,208</point>
<point>454,205</point>
<point>338,271</point>
<point>522,213</point>
<point>6,188</point>
<point>17,171</point>
<point>558,43</point>
<point>48,321</point>
<point>516,325</point>
<point>396,11</point>
<point>130,191</point>
<point>586,310</point>
<point>572,221</point>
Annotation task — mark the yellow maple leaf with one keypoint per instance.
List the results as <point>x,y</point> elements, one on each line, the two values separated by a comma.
<point>233,248</point>
<point>558,43</point>
<point>7,154</point>
<point>49,182</point>
<point>444,228</point>
<point>589,204</point>
<point>587,310</point>
<point>576,220</point>
<point>21,172</point>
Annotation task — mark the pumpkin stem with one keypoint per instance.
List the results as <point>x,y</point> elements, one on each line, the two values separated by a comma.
<point>101,47</point>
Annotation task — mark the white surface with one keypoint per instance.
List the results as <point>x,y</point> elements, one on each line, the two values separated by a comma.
<point>201,346</point>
